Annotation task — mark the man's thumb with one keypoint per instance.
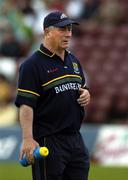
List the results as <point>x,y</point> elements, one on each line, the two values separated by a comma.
<point>81,90</point>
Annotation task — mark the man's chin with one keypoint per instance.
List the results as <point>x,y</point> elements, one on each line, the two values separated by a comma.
<point>65,46</point>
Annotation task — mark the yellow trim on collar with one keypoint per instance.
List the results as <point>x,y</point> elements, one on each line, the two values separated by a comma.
<point>23,90</point>
<point>46,53</point>
<point>65,76</point>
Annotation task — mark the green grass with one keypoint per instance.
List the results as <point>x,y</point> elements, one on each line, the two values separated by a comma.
<point>13,171</point>
<point>108,173</point>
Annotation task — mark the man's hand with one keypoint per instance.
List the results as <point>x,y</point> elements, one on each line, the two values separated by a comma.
<point>84,97</point>
<point>28,146</point>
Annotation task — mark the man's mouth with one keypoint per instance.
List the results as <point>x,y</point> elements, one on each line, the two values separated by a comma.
<point>65,41</point>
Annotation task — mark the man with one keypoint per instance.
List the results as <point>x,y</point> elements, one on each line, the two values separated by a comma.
<point>52,95</point>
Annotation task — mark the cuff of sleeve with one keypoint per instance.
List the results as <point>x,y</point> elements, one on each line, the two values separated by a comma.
<point>27,101</point>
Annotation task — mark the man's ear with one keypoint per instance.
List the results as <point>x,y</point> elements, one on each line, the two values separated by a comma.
<point>46,31</point>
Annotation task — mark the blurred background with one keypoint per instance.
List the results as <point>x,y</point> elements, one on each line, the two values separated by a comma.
<point>101,45</point>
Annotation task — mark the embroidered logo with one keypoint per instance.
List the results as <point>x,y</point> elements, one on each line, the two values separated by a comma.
<point>75,67</point>
<point>52,70</point>
<point>63,16</point>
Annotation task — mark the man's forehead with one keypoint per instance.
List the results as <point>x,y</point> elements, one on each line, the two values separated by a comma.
<point>69,27</point>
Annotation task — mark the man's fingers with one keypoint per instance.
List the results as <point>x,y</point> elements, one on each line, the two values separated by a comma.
<point>29,156</point>
<point>83,99</point>
<point>83,102</point>
<point>21,155</point>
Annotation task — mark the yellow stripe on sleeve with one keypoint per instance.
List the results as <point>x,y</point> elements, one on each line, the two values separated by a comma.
<point>28,91</point>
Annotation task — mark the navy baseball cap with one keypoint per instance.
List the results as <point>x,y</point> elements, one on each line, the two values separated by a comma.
<point>58,19</point>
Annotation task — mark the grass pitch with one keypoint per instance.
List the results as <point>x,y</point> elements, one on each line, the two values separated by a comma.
<point>14,171</point>
<point>108,173</point>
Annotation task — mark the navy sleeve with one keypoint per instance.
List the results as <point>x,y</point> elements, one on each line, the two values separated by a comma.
<point>28,90</point>
<point>84,77</point>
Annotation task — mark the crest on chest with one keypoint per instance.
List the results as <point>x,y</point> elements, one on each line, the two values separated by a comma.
<point>76,68</point>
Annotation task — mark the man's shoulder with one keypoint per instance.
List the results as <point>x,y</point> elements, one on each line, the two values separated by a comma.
<point>31,59</point>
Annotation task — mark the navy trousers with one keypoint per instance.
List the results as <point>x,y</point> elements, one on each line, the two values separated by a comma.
<point>68,158</point>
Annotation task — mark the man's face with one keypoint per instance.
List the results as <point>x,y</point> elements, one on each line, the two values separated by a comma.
<point>60,37</point>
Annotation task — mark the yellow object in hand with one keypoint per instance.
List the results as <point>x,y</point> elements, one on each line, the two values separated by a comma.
<point>44,151</point>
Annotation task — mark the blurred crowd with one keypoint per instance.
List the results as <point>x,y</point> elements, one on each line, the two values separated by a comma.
<point>21,32</point>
